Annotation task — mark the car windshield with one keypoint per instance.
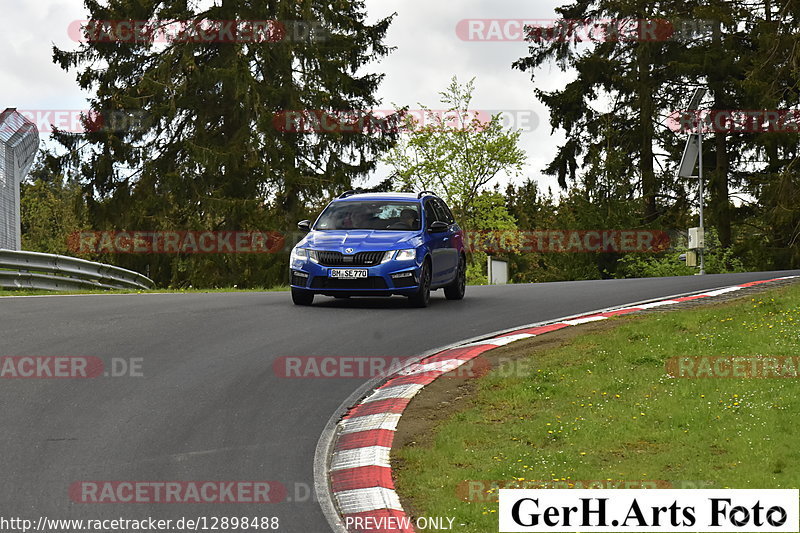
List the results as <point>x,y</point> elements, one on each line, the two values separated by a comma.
<point>373,215</point>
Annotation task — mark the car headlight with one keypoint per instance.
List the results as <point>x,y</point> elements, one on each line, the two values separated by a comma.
<point>406,255</point>
<point>298,254</point>
<point>301,254</point>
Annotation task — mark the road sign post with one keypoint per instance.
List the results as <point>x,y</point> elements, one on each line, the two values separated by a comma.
<point>693,153</point>
<point>702,230</point>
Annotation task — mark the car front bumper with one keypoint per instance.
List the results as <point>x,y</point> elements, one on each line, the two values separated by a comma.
<point>386,279</point>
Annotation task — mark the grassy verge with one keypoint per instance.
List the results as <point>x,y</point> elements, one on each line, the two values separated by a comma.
<point>9,292</point>
<point>602,407</point>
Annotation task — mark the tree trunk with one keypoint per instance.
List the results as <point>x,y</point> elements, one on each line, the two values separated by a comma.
<point>719,201</point>
<point>645,97</point>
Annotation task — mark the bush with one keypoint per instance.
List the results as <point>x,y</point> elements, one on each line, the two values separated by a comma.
<point>718,260</point>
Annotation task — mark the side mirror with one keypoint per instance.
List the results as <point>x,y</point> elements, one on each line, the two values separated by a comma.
<point>438,227</point>
<point>304,225</point>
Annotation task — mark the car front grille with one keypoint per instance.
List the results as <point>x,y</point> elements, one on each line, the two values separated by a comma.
<point>358,259</point>
<point>371,282</point>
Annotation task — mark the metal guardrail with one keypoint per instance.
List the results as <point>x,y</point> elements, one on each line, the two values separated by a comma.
<point>35,270</point>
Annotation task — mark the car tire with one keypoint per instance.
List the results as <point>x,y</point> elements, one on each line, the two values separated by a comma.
<point>423,294</point>
<point>300,297</point>
<point>456,290</point>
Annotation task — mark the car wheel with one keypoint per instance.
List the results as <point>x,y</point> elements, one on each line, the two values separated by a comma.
<point>456,290</point>
<point>300,297</point>
<point>423,295</point>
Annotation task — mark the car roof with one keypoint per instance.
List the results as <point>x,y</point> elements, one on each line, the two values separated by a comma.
<point>405,196</point>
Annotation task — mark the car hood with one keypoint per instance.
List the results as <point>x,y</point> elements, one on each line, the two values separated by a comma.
<point>338,240</point>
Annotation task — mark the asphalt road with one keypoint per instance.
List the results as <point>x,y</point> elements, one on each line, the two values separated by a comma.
<point>208,405</point>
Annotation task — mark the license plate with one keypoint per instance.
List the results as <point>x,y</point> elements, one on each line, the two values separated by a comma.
<point>348,273</point>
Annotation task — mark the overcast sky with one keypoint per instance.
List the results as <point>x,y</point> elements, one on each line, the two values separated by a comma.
<point>429,52</point>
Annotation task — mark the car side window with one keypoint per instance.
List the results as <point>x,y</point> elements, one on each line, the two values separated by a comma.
<point>444,212</point>
<point>430,213</point>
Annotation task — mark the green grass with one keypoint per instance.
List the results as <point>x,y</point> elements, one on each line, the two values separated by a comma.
<point>10,292</point>
<point>603,408</point>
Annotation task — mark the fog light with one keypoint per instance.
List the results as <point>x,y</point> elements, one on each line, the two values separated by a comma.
<point>299,278</point>
<point>402,280</point>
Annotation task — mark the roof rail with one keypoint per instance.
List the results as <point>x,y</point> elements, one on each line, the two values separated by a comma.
<point>423,193</point>
<point>351,192</point>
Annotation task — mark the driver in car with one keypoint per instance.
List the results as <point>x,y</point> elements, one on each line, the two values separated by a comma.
<point>408,217</point>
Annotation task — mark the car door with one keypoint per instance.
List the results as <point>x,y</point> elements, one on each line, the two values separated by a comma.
<point>450,242</point>
<point>437,243</point>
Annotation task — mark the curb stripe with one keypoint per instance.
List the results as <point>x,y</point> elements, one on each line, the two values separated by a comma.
<point>441,367</point>
<point>584,320</point>
<point>360,424</point>
<point>381,406</point>
<point>500,341</point>
<point>461,352</point>
<point>399,391</point>
<point>621,312</point>
<point>365,439</point>
<point>688,298</point>
<point>355,457</point>
<point>360,470</point>
<point>421,379</point>
<point>657,304</point>
<point>369,499</point>
<point>723,291</point>
<point>353,478</point>
<point>543,329</point>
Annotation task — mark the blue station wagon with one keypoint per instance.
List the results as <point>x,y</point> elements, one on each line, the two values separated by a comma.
<point>380,244</point>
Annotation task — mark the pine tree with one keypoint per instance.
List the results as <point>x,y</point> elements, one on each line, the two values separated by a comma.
<point>772,81</point>
<point>630,74</point>
<point>745,53</point>
<point>208,150</point>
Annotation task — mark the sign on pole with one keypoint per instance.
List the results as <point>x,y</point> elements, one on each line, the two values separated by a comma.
<point>697,238</point>
<point>689,159</point>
